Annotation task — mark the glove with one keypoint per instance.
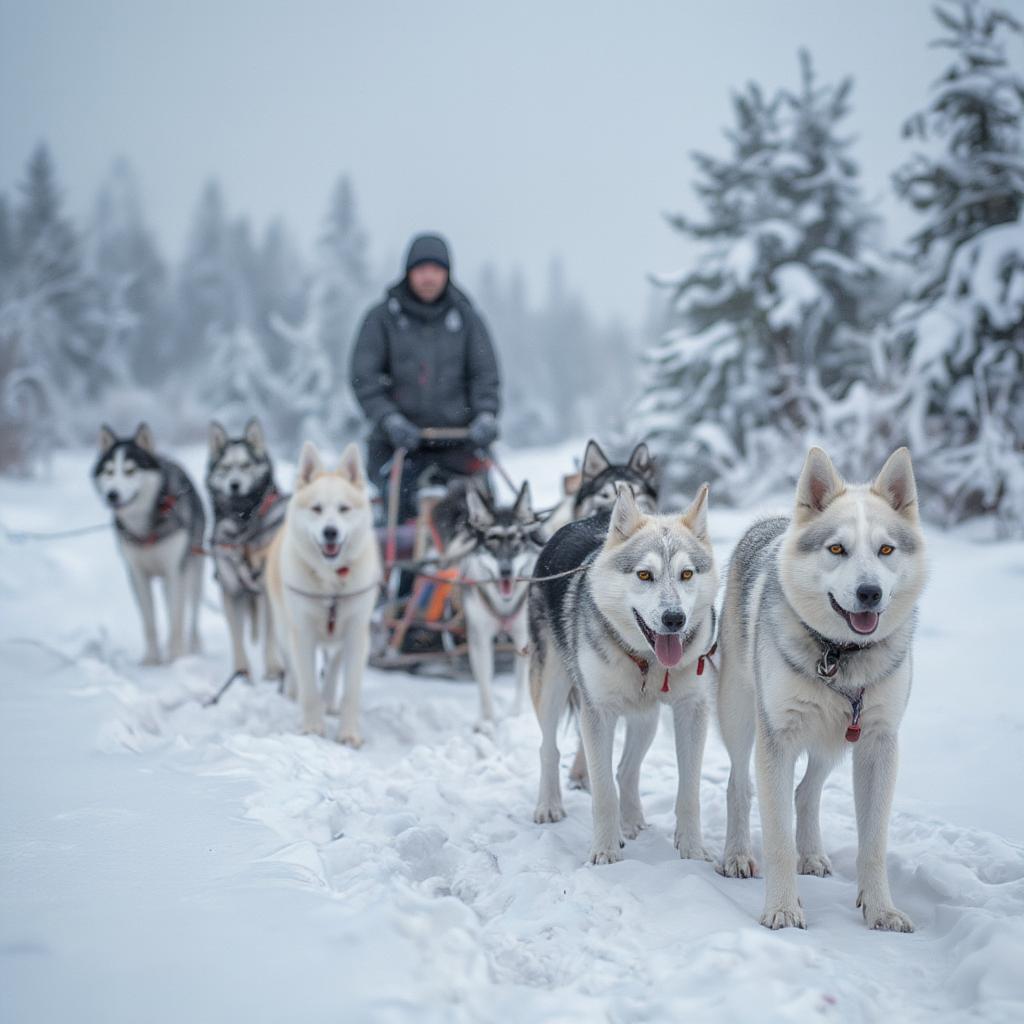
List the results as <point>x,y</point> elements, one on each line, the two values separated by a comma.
<point>400,432</point>
<point>483,430</point>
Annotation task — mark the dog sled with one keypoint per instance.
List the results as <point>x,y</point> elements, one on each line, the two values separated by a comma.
<point>419,624</point>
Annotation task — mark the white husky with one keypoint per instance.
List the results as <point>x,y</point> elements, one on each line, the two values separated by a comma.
<point>631,627</point>
<point>323,574</point>
<point>816,657</point>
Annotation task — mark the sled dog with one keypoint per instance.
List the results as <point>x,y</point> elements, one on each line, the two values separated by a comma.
<point>815,656</point>
<point>632,629</point>
<point>599,480</point>
<point>248,509</point>
<point>503,542</point>
<point>323,575</point>
<point>159,520</point>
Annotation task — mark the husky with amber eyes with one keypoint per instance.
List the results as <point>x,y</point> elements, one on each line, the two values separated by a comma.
<point>816,657</point>
<point>627,624</point>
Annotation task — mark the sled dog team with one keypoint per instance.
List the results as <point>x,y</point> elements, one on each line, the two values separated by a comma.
<point>812,654</point>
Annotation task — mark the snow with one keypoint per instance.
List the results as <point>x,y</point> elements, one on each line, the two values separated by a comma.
<point>166,862</point>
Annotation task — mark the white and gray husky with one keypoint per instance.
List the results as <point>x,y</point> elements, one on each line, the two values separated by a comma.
<point>323,577</point>
<point>816,657</point>
<point>630,628</point>
<point>248,510</point>
<point>160,522</point>
<point>504,543</point>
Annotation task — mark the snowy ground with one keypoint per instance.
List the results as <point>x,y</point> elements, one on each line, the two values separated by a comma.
<point>163,862</point>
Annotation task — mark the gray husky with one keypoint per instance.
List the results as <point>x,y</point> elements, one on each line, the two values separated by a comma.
<point>504,544</point>
<point>630,626</point>
<point>159,520</point>
<point>816,656</point>
<point>248,510</point>
<point>599,481</point>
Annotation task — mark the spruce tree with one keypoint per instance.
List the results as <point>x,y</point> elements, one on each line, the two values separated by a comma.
<point>769,331</point>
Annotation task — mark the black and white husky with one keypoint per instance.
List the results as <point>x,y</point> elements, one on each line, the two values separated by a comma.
<point>630,628</point>
<point>248,510</point>
<point>504,542</point>
<point>816,636</point>
<point>599,481</point>
<point>160,523</point>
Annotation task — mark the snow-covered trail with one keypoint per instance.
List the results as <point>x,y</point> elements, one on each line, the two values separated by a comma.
<point>163,861</point>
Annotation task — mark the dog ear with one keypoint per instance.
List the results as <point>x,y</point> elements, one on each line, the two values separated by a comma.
<point>107,439</point>
<point>351,465</point>
<point>524,504</point>
<point>254,436</point>
<point>480,514</point>
<point>595,462</point>
<point>310,464</point>
<point>819,484</point>
<point>218,439</point>
<point>695,518</point>
<point>626,517</point>
<point>641,462</point>
<point>144,438</point>
<point>895,483</point>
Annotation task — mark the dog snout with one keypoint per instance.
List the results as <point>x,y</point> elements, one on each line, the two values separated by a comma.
<point>869,595</point>
<point>505,571</point>
<point>235,487</point>
<point>330,534</point>
<point>113,497</point>
<point>673,620</point>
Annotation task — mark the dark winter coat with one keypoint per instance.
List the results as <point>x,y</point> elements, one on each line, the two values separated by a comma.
<point>433,363</point>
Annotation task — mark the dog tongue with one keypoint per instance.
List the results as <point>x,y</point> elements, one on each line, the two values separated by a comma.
<point>864,622</point>
<point>506,587</point>
<point>669,648</point>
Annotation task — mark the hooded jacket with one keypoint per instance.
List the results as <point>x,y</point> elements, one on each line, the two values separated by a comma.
<point>433,363</point>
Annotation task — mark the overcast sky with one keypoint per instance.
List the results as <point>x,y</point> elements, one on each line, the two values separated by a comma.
<point>522,130</point>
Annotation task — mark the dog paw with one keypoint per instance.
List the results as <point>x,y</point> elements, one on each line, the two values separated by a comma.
<point>691,849</point>
<point>484,726</point>
<point>633,826</point>
<point>350,738</point>
<point>151,658</point>
<point>738,865</point>
<point>579,781</point>
<point>548,814</point>
<point>783,917</point>
<point>314,727</point>
<point>814,864</point>
<point>884,919</point>
<point>604,855</point>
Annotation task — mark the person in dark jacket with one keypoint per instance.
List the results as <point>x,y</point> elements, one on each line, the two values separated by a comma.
<point>423,358</point>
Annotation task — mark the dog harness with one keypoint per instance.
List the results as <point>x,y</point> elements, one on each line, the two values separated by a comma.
<point>241,530</point>
<point>167,517</point>
<point>333,600</point>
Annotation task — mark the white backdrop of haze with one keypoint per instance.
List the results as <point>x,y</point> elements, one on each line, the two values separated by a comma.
<point>522,131</point>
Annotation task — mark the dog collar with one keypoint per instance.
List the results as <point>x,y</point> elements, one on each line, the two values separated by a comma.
<point>644,665</point>
<point>827,668</point>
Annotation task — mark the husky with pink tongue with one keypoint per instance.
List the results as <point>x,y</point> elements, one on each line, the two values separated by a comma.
<point>816,658</point>
<point>628,623</point>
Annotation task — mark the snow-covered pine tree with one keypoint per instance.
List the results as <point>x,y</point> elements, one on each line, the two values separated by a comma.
<point>769,331</point>
<point>343,279</point>
<point>236,382</point>
<point>206,279</point>
<point>963,331</point>
<point>46,353</point>
<point>129,310</point>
